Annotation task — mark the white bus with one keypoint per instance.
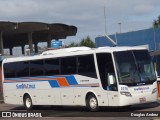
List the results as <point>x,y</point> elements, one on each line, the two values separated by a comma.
<point>81,76</point>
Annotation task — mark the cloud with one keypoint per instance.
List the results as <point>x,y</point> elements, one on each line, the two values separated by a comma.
<point>87,15</point>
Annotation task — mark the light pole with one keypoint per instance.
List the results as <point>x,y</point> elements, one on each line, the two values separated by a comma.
<point>154,35</point>
<point>119,26</point>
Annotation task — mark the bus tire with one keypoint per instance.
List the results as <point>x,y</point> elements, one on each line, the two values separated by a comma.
<point>92,103</point>
<point>28,102</point>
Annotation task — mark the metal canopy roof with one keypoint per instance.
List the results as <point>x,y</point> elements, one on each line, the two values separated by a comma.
<point>16,34</point>
<point>6,26</point>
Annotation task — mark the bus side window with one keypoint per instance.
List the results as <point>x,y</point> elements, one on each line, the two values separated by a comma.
<point>68,65</point>
<point>86,66</point>
<point>106,68</point>
<point>22,69</point>
<point>10,70</point>
<point>36,68</point>
<point>52,66</point>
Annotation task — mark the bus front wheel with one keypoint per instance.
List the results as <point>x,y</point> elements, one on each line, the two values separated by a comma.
<point>92,103</point>
<point>28,102</point>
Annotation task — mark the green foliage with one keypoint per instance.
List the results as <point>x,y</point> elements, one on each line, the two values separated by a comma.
<point>84,42</point>
<point>156,23</point>
<point>87,42</point>
<point>73,44</point>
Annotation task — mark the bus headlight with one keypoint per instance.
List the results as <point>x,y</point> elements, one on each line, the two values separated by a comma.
<point>126,93</point>
<point>154,90</point>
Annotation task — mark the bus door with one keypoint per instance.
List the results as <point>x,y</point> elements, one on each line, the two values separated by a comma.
<point>108,78</point>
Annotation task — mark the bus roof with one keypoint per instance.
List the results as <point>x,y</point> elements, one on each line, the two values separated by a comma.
<point>70,52</point>
<point>124,48</point>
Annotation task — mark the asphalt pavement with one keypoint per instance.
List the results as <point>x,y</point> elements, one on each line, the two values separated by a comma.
<point>70,113</point>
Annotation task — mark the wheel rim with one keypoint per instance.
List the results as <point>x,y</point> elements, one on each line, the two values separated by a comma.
<point>93,103</point>
<point>28,103</point>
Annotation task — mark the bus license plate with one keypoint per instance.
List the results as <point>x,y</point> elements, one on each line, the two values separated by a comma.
<point>143,99</point>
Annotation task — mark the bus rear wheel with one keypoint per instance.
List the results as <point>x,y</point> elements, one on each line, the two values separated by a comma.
<point>28,102</point>
<point>92,103</point>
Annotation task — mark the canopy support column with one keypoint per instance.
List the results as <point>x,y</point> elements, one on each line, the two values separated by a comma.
<point>36,47</point>
<point>23,49</point>
<point>30,42</point>
<point>10,51</point>
<point>49,41</point>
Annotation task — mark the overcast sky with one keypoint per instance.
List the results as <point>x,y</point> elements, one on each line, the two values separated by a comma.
<point>87,15</point>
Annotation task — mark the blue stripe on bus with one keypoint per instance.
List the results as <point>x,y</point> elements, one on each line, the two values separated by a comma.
<point>53,83</point>
<point>71,80</point>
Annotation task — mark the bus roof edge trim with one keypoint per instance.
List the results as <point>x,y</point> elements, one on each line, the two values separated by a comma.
<point>65,50</point>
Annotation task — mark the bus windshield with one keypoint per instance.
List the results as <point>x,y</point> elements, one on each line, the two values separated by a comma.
<point>134,67</point>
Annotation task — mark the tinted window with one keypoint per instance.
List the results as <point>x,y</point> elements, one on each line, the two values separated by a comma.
<point>52,67</point>
<point>9,70</point>
<point>36,68</point>
<point>86,66</point>
<point>68,65</point>
<point>22,69</point>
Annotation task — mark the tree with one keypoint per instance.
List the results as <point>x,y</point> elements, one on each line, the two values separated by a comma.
<point>87,42</point>
<point>73,45</point>
<point>84,42</point>
<point>158,20</point>
<point>156,23</point>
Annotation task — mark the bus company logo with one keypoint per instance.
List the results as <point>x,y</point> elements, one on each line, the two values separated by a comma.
<point>25,86</point>
<point>141,88</point>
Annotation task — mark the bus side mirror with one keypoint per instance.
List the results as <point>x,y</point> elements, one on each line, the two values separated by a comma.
<point>111,79</point>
